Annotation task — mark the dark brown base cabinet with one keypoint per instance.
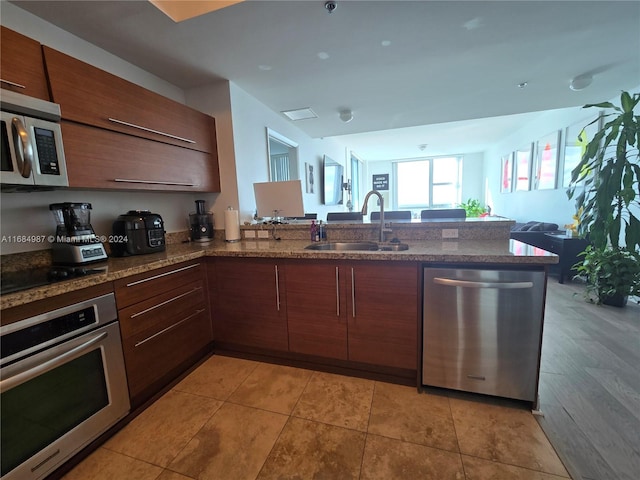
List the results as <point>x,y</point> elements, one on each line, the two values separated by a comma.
<point>249,303</point>
<point>352,313</point>
<point>165,325</point>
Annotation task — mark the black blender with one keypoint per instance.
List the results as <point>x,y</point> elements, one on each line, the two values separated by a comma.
<point>201,224</point>
<point>76,243</point>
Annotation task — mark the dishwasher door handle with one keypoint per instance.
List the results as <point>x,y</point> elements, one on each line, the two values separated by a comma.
<point>450,282</point>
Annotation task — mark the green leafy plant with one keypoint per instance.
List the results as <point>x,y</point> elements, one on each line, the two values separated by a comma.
<point>606,181</point>
<point>473,208</point>
<point>611,272</point>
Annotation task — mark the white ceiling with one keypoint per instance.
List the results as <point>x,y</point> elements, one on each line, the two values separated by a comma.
<point>441,62</point>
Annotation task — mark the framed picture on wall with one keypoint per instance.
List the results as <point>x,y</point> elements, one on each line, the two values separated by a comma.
<point>576,139</point>
<point>546,165</point>
<point>506,175</point>
<point>522,165</point>
<point>309,175</point>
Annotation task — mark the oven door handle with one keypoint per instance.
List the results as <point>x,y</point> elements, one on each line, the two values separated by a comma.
<point>24,376</point>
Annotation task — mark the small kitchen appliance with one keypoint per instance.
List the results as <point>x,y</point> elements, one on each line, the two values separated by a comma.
<point>137,232</point>
<point>201,224</point>
<point>75,243</point>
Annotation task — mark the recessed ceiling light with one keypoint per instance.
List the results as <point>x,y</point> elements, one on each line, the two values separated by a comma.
<point>346,115</point>
<point>522,84</point>
<point>385,43</point>
<point>300,114</point>
<point>581,82</point>
<point>422,147</point>
<point>265,68</point>
<point>323,55</point>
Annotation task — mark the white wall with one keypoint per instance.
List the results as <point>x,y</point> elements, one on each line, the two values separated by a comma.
<point>250,121</point>
<point>542,205</point>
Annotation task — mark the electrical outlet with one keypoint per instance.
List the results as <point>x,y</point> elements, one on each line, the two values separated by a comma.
<point>449,233</point>
<point>249,234</point>
<point>263,234</point>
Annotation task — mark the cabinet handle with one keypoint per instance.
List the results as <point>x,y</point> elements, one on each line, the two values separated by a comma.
<point>13,84</point>
<point>153,182</point>
<point>160,275</point>
<point>277,290</point>
<point>450,282</point>
<point>353,293</point>
<point>337,293</point>
<point>164,330</point>
<point>151,130</point>
<point>161,304</point>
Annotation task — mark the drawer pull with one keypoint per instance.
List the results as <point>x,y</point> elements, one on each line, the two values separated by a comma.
<point>150,130</point>
<point>153,182</point>
<point>160,275</point>
<point>165,330</point>
<point>161,304</point>
<point>13,84</point>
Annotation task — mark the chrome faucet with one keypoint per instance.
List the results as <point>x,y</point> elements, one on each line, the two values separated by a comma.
<point>364,212</point>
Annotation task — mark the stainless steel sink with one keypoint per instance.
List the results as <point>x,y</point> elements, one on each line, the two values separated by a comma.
<point>357,246</point>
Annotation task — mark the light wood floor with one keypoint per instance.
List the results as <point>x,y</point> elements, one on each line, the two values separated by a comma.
<point>590,384</point>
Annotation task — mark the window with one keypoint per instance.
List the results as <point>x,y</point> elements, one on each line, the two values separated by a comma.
<point>426,183</point>
<point>282,156</point>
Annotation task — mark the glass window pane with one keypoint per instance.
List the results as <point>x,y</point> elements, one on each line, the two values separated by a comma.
<point>445,170</point>
<point>413,183</point>
<point>444,195</point>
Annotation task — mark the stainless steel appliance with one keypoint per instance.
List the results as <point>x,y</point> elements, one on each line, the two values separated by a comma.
<point>76,242</point>
<point>482,330</point>
<point>32,151</point>
<point>137,232</point>
<point>63,384</point>
<point>201,224</point>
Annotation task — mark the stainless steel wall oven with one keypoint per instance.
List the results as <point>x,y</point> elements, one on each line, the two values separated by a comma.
<point>63,383</point>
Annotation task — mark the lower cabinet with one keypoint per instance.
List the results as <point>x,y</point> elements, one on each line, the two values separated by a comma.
<point>356,312</point>
<point>250,303</point>
<point>383,313</point>
<point>317,308</point>
<point>165,325</point>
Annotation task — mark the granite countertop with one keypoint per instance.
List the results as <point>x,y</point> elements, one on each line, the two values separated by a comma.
<point>454,251</point>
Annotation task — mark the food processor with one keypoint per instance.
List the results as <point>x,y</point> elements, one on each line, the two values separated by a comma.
<point>201,224</point>
<point>75,243</point>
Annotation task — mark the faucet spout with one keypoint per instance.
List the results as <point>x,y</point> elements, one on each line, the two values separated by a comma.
<point>364,211</point>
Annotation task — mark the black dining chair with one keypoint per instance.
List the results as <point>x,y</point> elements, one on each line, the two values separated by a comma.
<point>440,213</point>
<point>392,215</point>
<point>344,216</point>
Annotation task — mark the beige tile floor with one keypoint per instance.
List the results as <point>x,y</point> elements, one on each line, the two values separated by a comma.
<point>235,419</point>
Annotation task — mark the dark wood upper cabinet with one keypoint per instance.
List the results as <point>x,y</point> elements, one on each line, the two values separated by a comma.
<point>21,65</point>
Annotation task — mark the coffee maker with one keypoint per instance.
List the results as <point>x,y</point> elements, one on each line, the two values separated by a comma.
<point>201,224</point>
<point>75,243</point>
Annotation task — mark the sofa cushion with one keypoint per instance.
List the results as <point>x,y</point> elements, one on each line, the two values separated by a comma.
<point>543,227</point>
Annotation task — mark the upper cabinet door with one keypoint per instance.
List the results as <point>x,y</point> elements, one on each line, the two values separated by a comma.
<point>92,96</point>
<point>21,65</point>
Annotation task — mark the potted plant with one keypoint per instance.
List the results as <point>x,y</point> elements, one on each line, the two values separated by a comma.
<point>612,274</point>
<point>473,208</point>
<point>605,185</point>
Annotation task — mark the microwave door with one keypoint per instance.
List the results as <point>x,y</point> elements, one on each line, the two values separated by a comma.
<point>17,150</point>
<point>49,167</point>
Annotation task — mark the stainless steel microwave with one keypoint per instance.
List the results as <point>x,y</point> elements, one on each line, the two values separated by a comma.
<point>32,149</point>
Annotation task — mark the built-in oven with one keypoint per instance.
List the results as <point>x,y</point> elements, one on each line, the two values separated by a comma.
<point>63,384</point>
<point>32,154</point>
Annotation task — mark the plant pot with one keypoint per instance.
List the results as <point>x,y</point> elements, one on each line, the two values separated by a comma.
<point>618,300</point>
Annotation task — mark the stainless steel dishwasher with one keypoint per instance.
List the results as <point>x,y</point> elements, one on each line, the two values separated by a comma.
<point>482,330</point>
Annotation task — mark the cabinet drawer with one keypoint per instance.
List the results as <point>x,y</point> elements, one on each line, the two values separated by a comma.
<point>144,286</point>
<point>21,65</point>
<point>151,361</point>
<point>92,96</point>
<point>102,159</point>
<point>147,318</point>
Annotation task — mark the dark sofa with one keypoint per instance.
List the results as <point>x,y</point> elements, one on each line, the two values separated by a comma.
<point>534,232</point>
